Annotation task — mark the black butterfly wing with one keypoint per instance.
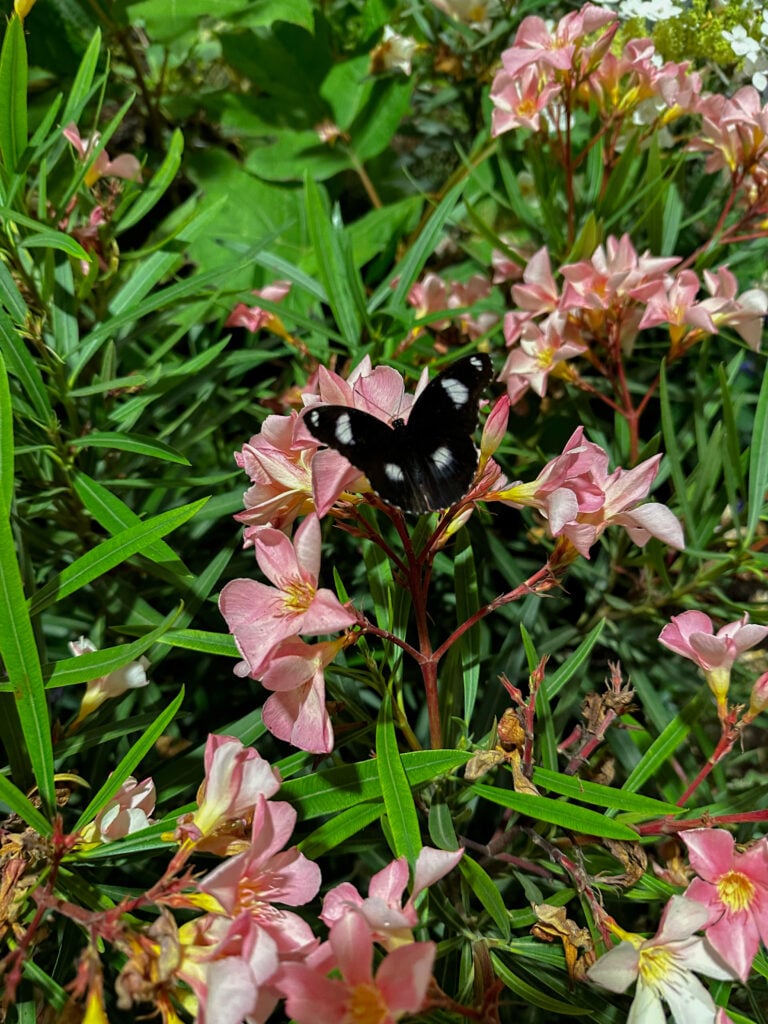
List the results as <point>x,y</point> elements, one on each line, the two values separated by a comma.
<point>369,444</point>
<point>426,464</point>
<point>448,404</point>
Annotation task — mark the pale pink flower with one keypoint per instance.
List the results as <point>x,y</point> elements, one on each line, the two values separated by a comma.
<point>663,967</point>
<point>128,811</point>
<point>390,921</point>
<point>471,12</point>
<point>430,295</point>
<point>260,616</point>
<point>123,166</point>
<point>231,979</point>
<point>758,698</point>
<point>611,275</point>
<point>253,318</point>
<point>467,293</point>
<point>131,676</point>
<point>519,100</point>
<point>566,47</point>
<point>542,351</point>
<point>745,312</point>
<point>734,888</point>
<point>264,875</point>
<point>539,293</point>
<point>296,711</point>
<point>692,635</point>
<point>235,777</point>
<point>673,302</point>
<point>399,987</point>
<point>580,498</point>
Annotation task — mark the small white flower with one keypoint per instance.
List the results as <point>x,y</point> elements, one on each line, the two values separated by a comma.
<point>651,10</point>
<point>742,44</point>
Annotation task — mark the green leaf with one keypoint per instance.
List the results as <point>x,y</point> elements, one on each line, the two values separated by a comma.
<point>10,296</point>
<point>159,183</point>
<point>21,364</point>
<point>55,240</point>
<point>758,463</point>
<point>602,796</point>
<point>487,894</point>
<point>674,459</point>
<point>6,444</point>
<point>80,89</point>
<point>398,799</point>
<point>333,790</point>
<point>114,515</point>
<point>220,644</point>
<point>556,812</point>
<point>534,995</point>
<point>136,443</point>
<point>335,270</point>
<point>339,828</point>
<point>131,760</point>
<point>13,94</point>
<point>18,651</point>
<point>111,553</point>
<point>20,804</point>
<point>568,669</point>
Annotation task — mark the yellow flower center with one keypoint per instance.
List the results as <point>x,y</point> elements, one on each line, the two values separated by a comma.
<point>298,595</point>
<point>735,890</point>
<point>655,965</point>
<point>366,1005</point>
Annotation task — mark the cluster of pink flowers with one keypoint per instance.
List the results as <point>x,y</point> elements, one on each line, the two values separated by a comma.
<point>605,301</point>
<point>434,295</point>
<point>728,901</point>
<point>734,132</point>
<point>547,71</point>
<point>579,498</point>
<point>247,951</point>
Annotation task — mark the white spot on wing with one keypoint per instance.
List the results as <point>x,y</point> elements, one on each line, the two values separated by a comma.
<point>476,363</point>
<point>442,458</point>
<point>344,433</point>
<point>456,391</point>
<point>394,472</point>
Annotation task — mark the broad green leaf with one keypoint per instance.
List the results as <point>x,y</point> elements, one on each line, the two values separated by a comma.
<point>339,828</point>
<point>84,667</point>
<point>114,515</point>
<point>6,444</point>
<point>556,812</point>
<point>602,796</point>
<point>13,94</point>
<point>56,240</point>
<point>335,269</point>
<point>395,788</point>
<point>333,790</point>
<point>159,183</point>
<point>486,892</point>
<point>221,644</point>
<point>136,443</point>
<point>111,553</point>
<point>21,364</point>
<point>129,763</point>
<point>10,296</point>
<point>20,804</point>
<point>80,89</point>
<point>18,651</point>
<point>758,463</point>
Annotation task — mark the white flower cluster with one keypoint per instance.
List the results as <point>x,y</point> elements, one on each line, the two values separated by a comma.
<point>753,50</point>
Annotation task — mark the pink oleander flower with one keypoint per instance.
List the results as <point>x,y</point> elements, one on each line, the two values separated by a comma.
<point>520,99</point>
<point>735,131</point>
<point>673,302</point>
<point>611,276</point>
<point>745,312</point>
<point>265,875</point>
<point>390,922</point>
<point>579,498</point>
<point>296,710</point>
<point>663,967</point>
<point>538,294</point>
<point>692,635</point>
<point>398,988</point>
<point>543,351</point>
<point>260,615</point>
<point>123,166</point>
<point>130,677</point>
<point>433,295</point>
<point>127,812</point>
<point>253,318</point>
<point>235,778</point>
<point>566,47</point>
<point>734,888</point>
<point>758,699</point>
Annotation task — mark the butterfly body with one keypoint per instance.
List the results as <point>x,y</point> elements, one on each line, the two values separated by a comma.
<point>426,463</point>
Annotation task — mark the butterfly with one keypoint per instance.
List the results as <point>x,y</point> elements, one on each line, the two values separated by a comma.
<point>426,463</point>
